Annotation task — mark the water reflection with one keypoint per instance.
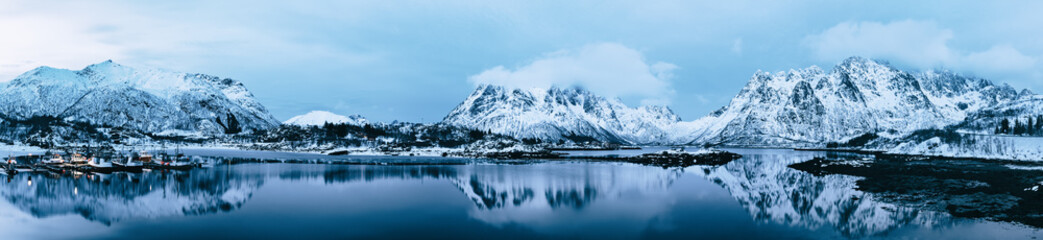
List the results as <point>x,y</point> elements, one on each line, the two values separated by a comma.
<point>1004,191</point>
<point>109,198</point>
<point>564,199</point>
<point>765,186</point>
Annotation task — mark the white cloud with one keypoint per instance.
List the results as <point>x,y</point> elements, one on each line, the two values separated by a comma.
<point>610,69</point>
<point>60,44</point>
<point>921,44</point>
<point>1000,58</point>
<point>737,46</point>
<point>72,35</point>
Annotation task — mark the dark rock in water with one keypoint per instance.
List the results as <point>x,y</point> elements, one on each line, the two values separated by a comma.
<point>338,153</point>
<point>998,190</point>
<point>684,159</point>
<point>544,154</point>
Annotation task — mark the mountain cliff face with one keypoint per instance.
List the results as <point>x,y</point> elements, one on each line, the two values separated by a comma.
<point>142,99</point>
<point>803,107</point>
<point>812,106</point>
<point>557,113</point>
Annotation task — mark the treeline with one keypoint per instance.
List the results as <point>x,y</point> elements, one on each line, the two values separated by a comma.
<point>50,132</point>
<point>1022,126</point>
<point>398,134</point>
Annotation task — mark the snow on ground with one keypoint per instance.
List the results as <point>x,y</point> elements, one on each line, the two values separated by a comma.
<point>977,146</point>
<point>16,150</point>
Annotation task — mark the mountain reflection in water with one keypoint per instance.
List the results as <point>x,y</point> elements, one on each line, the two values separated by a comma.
<point>757,194</point>
<point>109,198</point>
<point>771,191</point>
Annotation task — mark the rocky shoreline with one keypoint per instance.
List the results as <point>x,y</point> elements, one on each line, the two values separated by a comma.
<point>972,188</point>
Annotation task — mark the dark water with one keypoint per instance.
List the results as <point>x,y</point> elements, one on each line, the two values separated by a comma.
<point>756,197</point>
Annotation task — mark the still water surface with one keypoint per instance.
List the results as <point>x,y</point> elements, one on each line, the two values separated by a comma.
<point>756,197</point>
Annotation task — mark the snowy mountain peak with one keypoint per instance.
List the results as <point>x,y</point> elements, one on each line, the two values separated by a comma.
<point>558,113</point>
<point>137,98</point>
<point>103,64</point>
<point>319,118</point>
<point>661,111</point>
<point>858,96</point>
<point>1026,93</point>
<point>860,60</point>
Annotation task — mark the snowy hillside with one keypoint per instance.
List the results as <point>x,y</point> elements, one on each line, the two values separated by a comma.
<point>142,99</point>
<point>319,118</point>
<point>812,106</point>
<point>973,146</point>
<point>557,113</point>
<point>986,120</point>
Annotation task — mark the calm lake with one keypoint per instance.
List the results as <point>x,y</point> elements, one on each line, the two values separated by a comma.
<point>755,197</point>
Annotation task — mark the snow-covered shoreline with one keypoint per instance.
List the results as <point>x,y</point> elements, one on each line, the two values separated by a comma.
<point>965,146</point>
<point>988,147</point>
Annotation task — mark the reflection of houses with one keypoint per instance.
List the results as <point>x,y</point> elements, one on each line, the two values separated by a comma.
<point>109,198</point>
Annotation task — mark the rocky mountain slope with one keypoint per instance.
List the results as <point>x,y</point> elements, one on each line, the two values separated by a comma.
<point>797,108</point>
<point>561,113</point>
<point>139,99</point>
<point>810,107</point>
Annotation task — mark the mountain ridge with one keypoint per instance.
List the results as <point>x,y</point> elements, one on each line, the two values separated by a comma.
<point>558,114</point>
<point>143,99</point>
<point>810,106</point>
<point>806,107</point>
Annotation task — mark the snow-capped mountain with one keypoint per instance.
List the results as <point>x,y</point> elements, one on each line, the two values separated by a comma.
<point>811,106</point>
<point>318,118</point>
<point>142,99</point>
<point>557,113</point>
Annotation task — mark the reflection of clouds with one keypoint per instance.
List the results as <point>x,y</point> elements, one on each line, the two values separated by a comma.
<point>763,183</point>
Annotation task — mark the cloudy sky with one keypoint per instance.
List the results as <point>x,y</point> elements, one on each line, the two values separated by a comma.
<point>415,60</point>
